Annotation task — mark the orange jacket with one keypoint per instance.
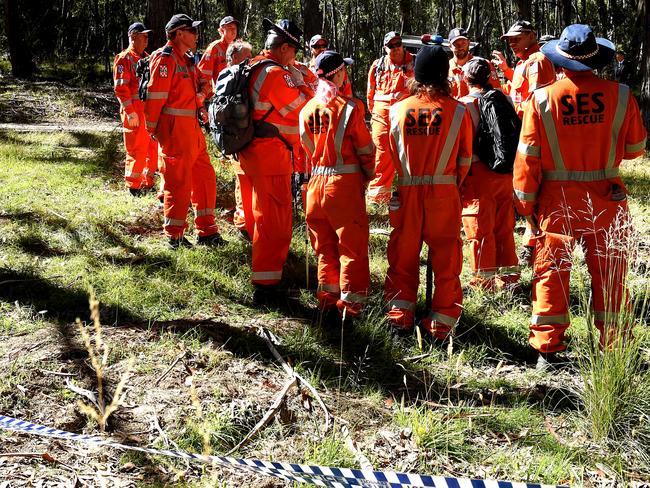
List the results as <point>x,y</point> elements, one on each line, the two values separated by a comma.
<point>335,137</point>
<point>389,85</point>
<point>125,81</point>
<point>172,87</point>
<point>309,77</point>
<point>576,131</point>
<point>211,64</point>
<point>430,141</point>
<point>457,84</point>
<point>271,88</point>
<point>531,72</point>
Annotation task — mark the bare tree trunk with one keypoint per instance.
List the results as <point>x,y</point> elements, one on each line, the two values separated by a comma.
<point>644,98</point>
<point>566,12</point>
<point>313,16</point>
<point>20,53</point>
<point>158,14</point>
<point>523,9</point>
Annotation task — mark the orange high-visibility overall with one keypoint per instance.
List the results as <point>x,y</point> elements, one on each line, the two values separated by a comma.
<point>141,149</point>
<point>488,218</point>
<point>533,71</point>
<point>458,86</point>
<point>339,146</point>
<point>170,111</point>
<point>267,161</point>
<point>431,149</point>
<point>211,64</point>
<point>575,134</point>
<point>385,88</point>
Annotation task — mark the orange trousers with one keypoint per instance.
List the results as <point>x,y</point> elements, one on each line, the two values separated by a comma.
<point>189,176</point>
<point>243,217</point>
<point>338,230</point>
<point>379,189</point>
<point>432,215</point>
<point>489,223</point>
<point>271,226</point>
<point>141,153</point>
<point>601,227</point>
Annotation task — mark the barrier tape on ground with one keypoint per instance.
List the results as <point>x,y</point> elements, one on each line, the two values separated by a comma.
<point>301,473</point>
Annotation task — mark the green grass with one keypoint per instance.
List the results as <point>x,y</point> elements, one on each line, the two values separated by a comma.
<point>67,224</point>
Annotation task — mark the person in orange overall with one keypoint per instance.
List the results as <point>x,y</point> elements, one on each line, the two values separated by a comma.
<point>171,108</point>
<point>213,60</point>
<point>566,179</point>
<point>459,45</point>
<point>274,90</point>
<point>488,207</point>
<point>141,150</point>
<point>338,145</point>
<point>387,84</point>
<point>431,150</point>
<point>533,71</point>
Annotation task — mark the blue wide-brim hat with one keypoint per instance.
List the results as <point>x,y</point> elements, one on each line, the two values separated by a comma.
<point>578,49</point>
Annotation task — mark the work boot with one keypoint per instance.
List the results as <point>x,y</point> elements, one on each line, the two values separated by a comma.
<point>550,361</point>
<point>265,294</point>
<point>213,240</point>
<point>179,242</point>
<point>526,256</point>
<point>136,192</point>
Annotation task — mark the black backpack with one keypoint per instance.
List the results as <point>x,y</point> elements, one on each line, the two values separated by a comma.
<point>497,134</point>
<point>231,114</point>
<point>143,72</point>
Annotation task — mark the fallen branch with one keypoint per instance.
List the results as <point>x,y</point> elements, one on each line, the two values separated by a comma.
<point>56,373</point>
<point>268,416</point>
<point>168,370</point>
<point>363,461</point>
<point>289,370</point>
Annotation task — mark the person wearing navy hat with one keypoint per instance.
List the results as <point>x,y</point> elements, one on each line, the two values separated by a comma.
<point>172,109</point>
<point>459,43</point>
<point>275,93</point>
<point>214,60</point>
<point>141,151</point>
<point>430,146</point>
<point>387,84</point>
<point>335,137</point>
<point>566,179</point>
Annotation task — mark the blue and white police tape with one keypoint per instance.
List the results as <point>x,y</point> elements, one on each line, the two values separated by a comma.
<point>317,475</point>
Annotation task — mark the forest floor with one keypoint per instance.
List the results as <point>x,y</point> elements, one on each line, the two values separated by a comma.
<point>182,330</point>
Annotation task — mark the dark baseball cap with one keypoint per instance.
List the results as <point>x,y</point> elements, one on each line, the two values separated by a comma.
<point>519,27</point>
<point>228,19</point>
<point>329,62</point>
<point>477,71</point>
<point>137,28</point>
<point>390,36</point>
<point>181,21</point>
<point>457,33</point>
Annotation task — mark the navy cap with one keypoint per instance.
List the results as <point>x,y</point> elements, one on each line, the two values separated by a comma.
<point>431,64</point>
<point>181,21</point>
<point>137,28</point>
<point>286,28</point>
<point>578,49</point>
<point>457,33</point>
<point>228,19</point>
<point>329,62</point>
<point>390,36</point>
<point>477,71</point>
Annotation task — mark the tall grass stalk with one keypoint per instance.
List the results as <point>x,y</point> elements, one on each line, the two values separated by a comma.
<point>616,384</point>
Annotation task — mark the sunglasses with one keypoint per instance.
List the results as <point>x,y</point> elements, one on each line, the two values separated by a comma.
<point>394,45</point>
<point>320,45</point>
<point>191,30</point>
